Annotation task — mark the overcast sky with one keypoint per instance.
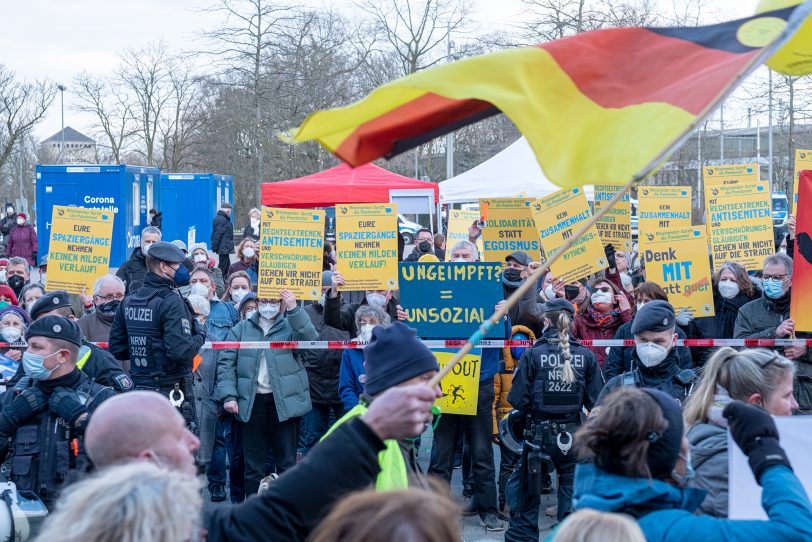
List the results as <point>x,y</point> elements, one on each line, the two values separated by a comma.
<point>58,39</point>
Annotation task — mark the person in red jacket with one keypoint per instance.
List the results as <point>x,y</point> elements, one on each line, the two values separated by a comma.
<point>22,241</point>
<point>602,314</point>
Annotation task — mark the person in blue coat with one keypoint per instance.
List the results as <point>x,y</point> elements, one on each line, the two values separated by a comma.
<point>352,373</point>
<point>640,465</point>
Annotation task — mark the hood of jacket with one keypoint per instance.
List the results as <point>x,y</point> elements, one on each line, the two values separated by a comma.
<point>707,440</point>
<point>600,490</point>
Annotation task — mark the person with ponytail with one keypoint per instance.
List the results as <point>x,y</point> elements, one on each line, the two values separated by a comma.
<point>637,462</point>
<point>555,381</point>
<point>755,376</point>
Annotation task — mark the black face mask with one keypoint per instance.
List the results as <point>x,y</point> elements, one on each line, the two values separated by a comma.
<point>16,282</point>
<point>512,275</point>
<point>109,308</point>
<point>424,246</point>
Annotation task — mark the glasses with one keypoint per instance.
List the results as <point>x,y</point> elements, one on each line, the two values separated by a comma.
<point>774,277</point>
<point>604,289</point>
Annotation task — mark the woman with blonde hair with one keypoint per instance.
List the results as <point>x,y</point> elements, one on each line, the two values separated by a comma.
<point>127,503</point>
<point>756,376</point>
<point>592,526</point>
<point>556,379</point>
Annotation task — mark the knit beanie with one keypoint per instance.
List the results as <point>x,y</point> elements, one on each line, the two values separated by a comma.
<point>664,448</point>
<point>395,355</point>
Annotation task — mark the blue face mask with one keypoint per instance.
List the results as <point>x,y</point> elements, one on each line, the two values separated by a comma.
<point>181,276</point>
<point>684,479</point>
<point>34,366</point>
<point>773,288</point>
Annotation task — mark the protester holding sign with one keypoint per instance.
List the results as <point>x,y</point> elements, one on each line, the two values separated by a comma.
<point>638,464</point>
<point>756,376</point>
<point>267,389</point>
<point>526,311</point>
<point>342,316</point>
<point>603,313</point>
<point>352,373</point>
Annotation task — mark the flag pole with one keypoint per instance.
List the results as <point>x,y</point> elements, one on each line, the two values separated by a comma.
<point>798,17</point>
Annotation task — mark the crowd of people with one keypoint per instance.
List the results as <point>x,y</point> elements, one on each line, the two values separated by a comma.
<point>323,444</point>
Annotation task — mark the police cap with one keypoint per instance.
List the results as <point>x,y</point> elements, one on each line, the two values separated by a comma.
<point>559,305</point>
<point>657,315</point>
<point>167,252</point>
<point>56,327</point>
<point>49,302</point>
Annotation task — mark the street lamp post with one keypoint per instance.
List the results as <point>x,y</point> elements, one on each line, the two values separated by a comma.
<point>62,89</point>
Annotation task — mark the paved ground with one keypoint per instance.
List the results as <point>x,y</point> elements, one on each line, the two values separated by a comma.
<point>472,531</point>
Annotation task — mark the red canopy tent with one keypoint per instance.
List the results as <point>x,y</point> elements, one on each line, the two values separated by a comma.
<point>341,184</point>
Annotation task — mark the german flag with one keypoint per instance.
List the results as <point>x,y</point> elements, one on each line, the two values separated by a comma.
<point>597,107</point>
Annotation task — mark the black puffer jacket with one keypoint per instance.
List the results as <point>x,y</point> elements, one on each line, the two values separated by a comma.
<point>133,271</point>
<point>222,234</point>
<point>323,365</point>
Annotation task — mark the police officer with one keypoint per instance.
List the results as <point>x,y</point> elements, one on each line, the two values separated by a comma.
<point>94,361</point>
<point>555,380</point>
<point>655,362</point>
<point>155,328</point>
<point>46,412</point>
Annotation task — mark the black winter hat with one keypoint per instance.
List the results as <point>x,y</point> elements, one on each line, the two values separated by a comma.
<point>559,305</point>
<point>664,448</point>
<point>394,355</point>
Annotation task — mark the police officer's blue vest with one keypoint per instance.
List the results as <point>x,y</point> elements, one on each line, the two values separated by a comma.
<point>149,366</point>
<point>551,395</point>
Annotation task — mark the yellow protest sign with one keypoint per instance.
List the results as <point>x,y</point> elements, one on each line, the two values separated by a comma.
<point>663,207</point>
<point>458,223</point>
<point>79,251</point>
<point>461,386</point>
<point>291,252</point>
<point>803,160</point>
<point>557,217</point>
<point>508,227</point>
<point>740,223</point>
<point>367,246</point>
<point>677,260</point>
<point>730,174</point>
<point>614,228</point>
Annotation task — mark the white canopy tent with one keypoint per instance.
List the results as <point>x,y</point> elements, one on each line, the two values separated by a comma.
<point>508,174</point>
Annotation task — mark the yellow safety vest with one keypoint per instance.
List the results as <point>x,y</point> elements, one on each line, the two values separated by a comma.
<point>393,473</point>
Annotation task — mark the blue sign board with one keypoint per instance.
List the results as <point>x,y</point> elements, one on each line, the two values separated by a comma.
<point>450,300</point>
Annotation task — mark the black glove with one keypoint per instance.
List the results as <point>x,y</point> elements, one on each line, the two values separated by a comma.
<point>66,404</point>
<point>25,404</point>
<point>609,250</point>
<point>754,431</point>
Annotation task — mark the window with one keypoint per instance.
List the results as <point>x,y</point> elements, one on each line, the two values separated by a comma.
<point>136,203</point>
<point>149,194</point>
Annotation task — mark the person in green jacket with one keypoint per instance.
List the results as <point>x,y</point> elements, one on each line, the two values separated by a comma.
<point>267,390</point>
<point>394,357</point>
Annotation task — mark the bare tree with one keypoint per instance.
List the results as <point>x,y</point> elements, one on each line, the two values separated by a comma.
<point>107,101</point>
<point>182,119</point>
<point>22,106</point>
<point>146,73</point>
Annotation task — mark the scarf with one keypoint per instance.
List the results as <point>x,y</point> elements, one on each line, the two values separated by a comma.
<point>603,321</point>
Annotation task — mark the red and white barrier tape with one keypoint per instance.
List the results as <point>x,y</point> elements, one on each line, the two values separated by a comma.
<point>488,343</point>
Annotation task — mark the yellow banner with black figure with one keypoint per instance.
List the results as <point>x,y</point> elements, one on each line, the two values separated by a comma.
<point>677,260</point>
<point>557,217</point>
<point>461,386</point>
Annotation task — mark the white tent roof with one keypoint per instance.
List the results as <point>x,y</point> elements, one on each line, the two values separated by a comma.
<point>512,172</point>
